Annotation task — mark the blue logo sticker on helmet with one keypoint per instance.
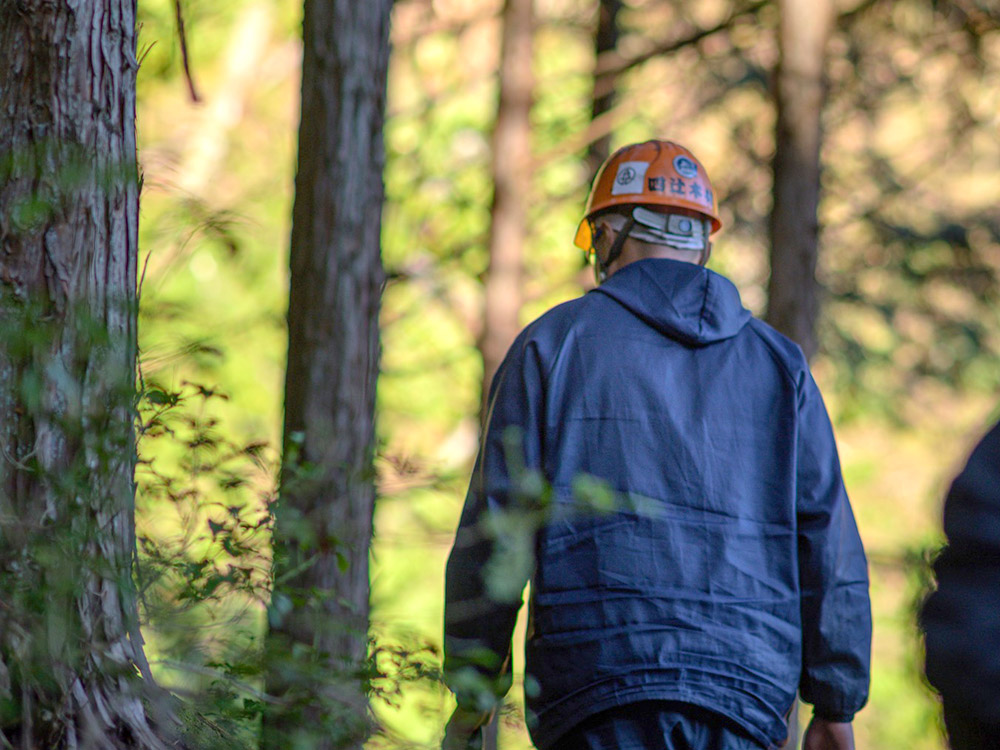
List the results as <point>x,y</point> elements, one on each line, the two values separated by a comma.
<point>685,167</point>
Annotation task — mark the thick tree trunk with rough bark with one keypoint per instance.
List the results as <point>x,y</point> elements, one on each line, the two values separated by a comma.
<point>71,657</point>
<point>793,291</point>
<point>605,42</point>
<point>511,179</point>
<point>317,642</point>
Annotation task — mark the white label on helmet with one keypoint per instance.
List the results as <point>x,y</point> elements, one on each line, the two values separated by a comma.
<point>631,177</point>
<point>685,166</point>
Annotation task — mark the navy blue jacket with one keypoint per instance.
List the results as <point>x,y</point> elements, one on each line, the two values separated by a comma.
<point>961,619</point>
<point>726,572</point>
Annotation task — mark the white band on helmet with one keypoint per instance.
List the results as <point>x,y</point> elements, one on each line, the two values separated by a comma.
<point>674,230</point>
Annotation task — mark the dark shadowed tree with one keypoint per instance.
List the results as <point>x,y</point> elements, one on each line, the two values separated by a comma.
<point>72,669</point>
<point>793,291</point>
<point>318,618</point>
<point>605,45</point>
<point>603,98</point>
<point>511,178</point>
<point>800,87</point>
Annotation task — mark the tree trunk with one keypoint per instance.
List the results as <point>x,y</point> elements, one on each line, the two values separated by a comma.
<point>317,641</point>
<point>602,102</point>
<point>71,653</point>
<point>605,41</point>
<point>800,89</point>
<point>508,226</point>
<point>793,291</point>
<point>511,178</point>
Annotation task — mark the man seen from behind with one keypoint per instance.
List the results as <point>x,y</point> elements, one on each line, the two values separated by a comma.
<point>725,573</point>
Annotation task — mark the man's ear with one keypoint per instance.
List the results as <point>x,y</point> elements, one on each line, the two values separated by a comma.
<point>601,228</point>
<point>601,233</point>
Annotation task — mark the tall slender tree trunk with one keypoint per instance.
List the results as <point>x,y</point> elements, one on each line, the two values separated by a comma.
<point>72,667</point>
<point>605,41</point>
<point>800,90</point>
<point>602,101</point>
<point>511,178</point>
<point>793,291</point>
<point>508,228</point>
<point>317,641</point>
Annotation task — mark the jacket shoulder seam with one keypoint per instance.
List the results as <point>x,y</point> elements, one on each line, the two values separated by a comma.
<point>563,329</point>
<point>776,355</point>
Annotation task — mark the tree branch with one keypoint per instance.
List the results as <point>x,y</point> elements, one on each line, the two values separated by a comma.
<point>182,36</point>
<point>612,63</point>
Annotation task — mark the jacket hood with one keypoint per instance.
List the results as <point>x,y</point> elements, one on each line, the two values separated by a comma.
<point>681,300</point>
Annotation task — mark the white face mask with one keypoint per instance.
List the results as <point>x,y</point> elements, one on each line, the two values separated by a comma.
<point>673,230</point>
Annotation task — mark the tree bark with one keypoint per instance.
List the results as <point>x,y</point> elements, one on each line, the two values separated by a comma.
<point>511,177</point>
<point>800,90</point>
<point>317,640</point>
<point>72,666</point>
<point>603,101</point>
<point>605,43</point>
<point>511,169</point>
<point>793,291</point>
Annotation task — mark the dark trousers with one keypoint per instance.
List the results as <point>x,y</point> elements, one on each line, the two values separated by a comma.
<point>657,725</point>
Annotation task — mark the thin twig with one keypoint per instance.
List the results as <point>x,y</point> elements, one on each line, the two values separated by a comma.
<point>19,464</point>
<point>246,687</point>
<point>184,51</point>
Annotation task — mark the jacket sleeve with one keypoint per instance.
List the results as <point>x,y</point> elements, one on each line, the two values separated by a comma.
<point>493,555</point>
<point>833,572</point>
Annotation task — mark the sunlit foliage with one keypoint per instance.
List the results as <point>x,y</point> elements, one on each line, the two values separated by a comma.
<point>909,257</point>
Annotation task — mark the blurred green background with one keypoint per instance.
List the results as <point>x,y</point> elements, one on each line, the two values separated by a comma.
<point>910,256</point>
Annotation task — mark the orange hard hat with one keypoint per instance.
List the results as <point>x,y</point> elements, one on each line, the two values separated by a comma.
<point>655,173</point>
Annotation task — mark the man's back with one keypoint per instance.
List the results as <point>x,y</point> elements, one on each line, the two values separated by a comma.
<point>731,552</point>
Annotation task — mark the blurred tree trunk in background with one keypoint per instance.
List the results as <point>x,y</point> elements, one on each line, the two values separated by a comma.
<point>511,180</point>
<point>605,41</point>
<point>800,90</point>
<point>793,291</point>
<point>511,177</point>
<point>72,669</point>
<point>318,618</point>
<point>603,100</point>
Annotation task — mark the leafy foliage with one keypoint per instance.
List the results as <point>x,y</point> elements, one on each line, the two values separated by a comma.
<point>910,253</point>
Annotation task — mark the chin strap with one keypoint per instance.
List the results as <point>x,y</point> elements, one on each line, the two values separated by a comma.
<point>601,267</point>
<point>705,253</point>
